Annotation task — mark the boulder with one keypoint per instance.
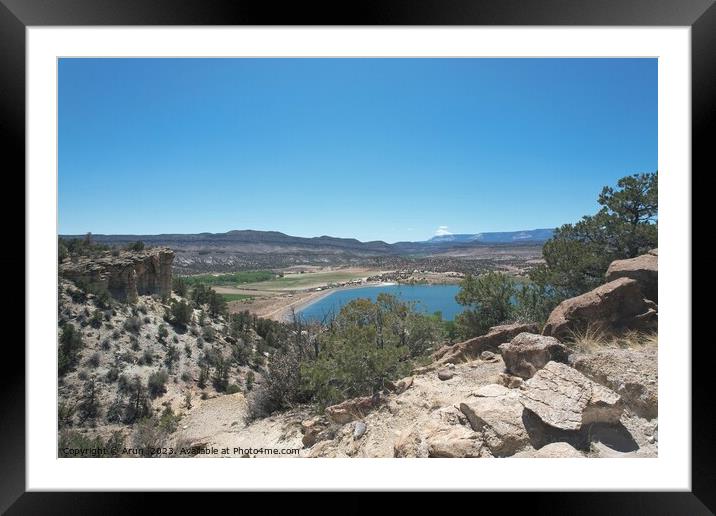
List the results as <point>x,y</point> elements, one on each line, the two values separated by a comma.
<point>564,398</point>
<point>613,307</point>
<point>631,373</point>
<point>498,418</point>
<point>438,438</point>
<point>644,269</point>
<point>558,450</point>
<point>525,354</point>
<point>445,374</point>
<point>471,349</point>
<point>359,429</point>
<point>352,409</point>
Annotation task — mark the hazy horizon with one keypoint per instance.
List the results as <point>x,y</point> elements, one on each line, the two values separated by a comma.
<point>301,236</point>
<point>372,149</point>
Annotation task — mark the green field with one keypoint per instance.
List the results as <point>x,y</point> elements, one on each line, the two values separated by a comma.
<point>236,297</point>
<point>233,278</point>
<point>308,280</point>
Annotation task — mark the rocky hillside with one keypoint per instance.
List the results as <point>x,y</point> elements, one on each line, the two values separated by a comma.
<point>513,392</point>
<point>510,393</point>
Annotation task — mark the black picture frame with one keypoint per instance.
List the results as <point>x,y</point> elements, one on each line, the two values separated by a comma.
<point>17,15</point>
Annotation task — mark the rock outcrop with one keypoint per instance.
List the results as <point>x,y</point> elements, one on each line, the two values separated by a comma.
<point>495,412</point>
<point>125,276</point>
<point>441,436</point>
<point>352,409</point>
<point>644,269</point>
<point>613,307</point>
<point>472,348</point>
<point>528,352</point>
<point>631,373</point>
<point>564,398</point>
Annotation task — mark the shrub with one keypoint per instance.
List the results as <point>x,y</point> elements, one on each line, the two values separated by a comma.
<point>68,350</point>
<point>168,421</point>
<point>89,405</point>
<point>179,285</point>
<point>181,313</point>
<point>149,436</point>
<point>136,246</point>
<point>203,377</point>
<point>220,379</point>
<point>162,332</point>
<point>186,376</point>
<point>137,406</point>
<point>94,360</point>
<point>147,357</point>
<point>65,414</point>
<point>132,324</point>
<point>112,374</point>
<point>233,389</point>
<point>209,334</point>
<point>172,356</point>
<point>250,379</point>
<point>116,410</point>
<point>156,383</point>
<point>123,383</point>
<point>96,320</point>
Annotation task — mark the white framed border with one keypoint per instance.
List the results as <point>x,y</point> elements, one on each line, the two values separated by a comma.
<point>670,471</point>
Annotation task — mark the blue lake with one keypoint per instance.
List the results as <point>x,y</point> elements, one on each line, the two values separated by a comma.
<point>428,298</point>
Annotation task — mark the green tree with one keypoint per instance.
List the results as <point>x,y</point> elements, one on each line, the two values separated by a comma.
<point>70,346</point>
<point>181,313</point>
<point>179,286</point>
<point>578,255</point>
<point>489,302</point>
<point>136,246</point>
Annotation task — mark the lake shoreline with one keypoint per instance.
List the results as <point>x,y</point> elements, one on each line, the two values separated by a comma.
<point>302,304</point>
<point>305,303</point>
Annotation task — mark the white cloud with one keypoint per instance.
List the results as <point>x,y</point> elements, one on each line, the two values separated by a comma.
<point>442,231</point>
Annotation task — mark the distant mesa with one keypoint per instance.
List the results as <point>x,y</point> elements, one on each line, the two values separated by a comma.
<point>505,237</point>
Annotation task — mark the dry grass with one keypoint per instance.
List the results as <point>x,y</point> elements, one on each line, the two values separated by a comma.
<point>594,338</point>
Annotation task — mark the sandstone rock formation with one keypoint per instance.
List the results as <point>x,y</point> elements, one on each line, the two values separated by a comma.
<point>564,398</point>
<point>126,276</point>
<point>472,348</point>
<point>644,269</point>
<point>438,438</point>
<point>352,409</point>
<point>496,413</point>
<point>631,373</point>
<point>528,352</point>
<point>613,307</point>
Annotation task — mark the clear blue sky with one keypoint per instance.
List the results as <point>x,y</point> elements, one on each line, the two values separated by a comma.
<point>389,149</point>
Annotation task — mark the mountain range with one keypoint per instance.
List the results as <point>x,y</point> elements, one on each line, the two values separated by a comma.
<point>254,242</point>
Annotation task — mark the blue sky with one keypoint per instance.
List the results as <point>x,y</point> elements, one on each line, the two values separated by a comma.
<point>375,149</point>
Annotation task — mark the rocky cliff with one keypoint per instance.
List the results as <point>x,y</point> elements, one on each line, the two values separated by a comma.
<point>126,275</point>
